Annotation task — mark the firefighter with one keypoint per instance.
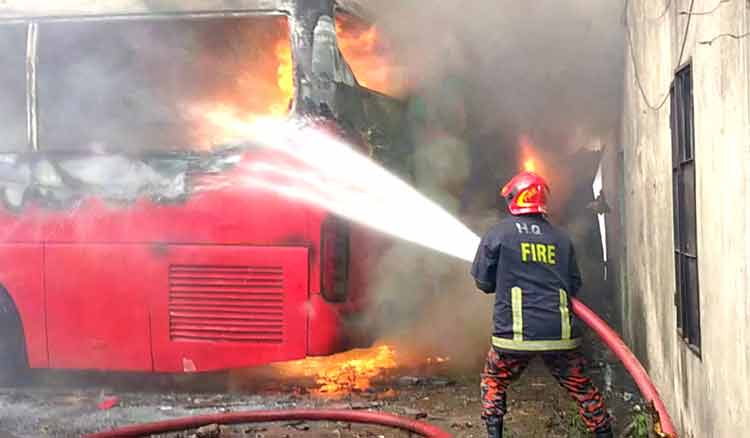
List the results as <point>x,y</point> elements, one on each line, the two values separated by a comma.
<point>530,266</point>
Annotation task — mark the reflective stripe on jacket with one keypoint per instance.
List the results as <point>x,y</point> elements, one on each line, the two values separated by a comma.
<point>531,267</point>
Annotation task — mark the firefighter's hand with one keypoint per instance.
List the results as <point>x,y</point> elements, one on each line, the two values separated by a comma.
<point>487,288</point>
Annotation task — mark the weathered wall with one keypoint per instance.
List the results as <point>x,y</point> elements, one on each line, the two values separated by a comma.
<point>708,396</point>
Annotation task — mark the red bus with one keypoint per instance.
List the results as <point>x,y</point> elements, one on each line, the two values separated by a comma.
<point>114,253</point>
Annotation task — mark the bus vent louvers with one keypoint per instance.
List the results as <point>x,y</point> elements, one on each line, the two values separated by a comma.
<point>226,303</point>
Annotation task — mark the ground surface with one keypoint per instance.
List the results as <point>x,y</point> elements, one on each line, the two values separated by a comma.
<point>67,404</point>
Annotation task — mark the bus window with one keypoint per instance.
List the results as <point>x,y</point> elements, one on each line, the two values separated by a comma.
<point>368,55</point>
<point>155,85</point>
<point>13,88</point>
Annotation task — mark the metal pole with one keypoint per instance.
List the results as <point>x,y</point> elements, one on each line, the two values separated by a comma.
<point>32,38</point>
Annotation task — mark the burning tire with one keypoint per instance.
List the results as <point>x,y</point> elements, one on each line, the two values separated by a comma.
<point>13,364</point>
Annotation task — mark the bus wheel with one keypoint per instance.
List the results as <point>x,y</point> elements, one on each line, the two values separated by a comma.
<point>13,364</point>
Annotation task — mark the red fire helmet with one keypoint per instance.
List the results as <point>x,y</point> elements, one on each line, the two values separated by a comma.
<point>526,193</point>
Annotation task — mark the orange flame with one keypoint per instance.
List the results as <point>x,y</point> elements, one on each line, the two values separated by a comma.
<point>262,86</point>
<point>283,77</point>
<point>529,156</point>
<point>353,371</point>
<point>529,165</point>
<point>438,359</point>
<point>367,54</point>
<point>343,373</point>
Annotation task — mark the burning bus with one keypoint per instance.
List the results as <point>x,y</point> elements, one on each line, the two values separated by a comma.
<point>118,250</point>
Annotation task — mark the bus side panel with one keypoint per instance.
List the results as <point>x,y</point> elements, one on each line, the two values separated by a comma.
<point>336,327</point>
<point>98,315</point>
<point>230,306</point>
<point>22,276</point>
<point>327,334</point>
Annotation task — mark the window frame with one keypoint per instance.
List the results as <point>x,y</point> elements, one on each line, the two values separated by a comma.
<point>27,144</point>
<point>35,23</point>
<point>348,14</point>
<point>335,248</point>
<point>684,214</point>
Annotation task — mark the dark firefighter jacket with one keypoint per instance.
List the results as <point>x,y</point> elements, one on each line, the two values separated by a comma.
<point>531,267</point>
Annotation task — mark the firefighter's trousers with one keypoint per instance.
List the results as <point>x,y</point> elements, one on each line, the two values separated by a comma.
<point>566,367</point>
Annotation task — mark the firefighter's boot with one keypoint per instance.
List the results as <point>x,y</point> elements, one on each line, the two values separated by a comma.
<point>604,433</point>
<point>494,428</point>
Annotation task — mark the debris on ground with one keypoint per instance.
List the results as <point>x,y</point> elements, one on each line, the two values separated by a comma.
<point>210,431</point>
<point>537,406</point>
<point>108,403</point>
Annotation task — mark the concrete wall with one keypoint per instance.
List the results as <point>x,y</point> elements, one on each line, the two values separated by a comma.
<point>708,396</point>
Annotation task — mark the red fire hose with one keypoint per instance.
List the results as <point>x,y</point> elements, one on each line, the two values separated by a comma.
<point>181,424</point>
<point>664,425</point>
<point>663,422</point>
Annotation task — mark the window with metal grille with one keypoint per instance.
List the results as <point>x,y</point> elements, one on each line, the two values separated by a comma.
<point>684,215</point>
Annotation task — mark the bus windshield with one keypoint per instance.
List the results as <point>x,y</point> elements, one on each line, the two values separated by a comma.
<point>156,85</point>
<point>369,55</point>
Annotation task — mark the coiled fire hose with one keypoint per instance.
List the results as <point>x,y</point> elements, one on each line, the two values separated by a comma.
<point>663,426</point>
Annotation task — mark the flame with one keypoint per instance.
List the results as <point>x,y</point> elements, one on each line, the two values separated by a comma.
<point>530,161</point>
<point>438,359</point>
<point>262,86</point>
<point>284,79</point>
<point>529,165</point>
<point>368,55</point>
<point>344,373</point>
